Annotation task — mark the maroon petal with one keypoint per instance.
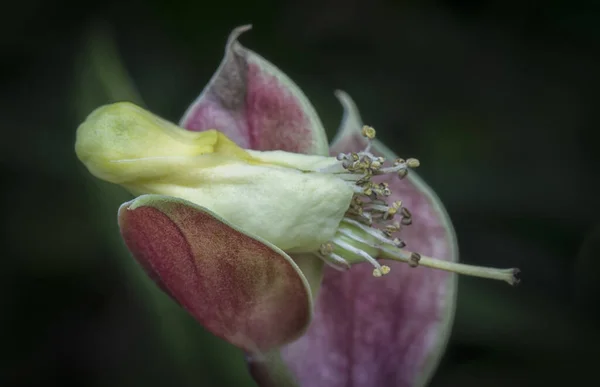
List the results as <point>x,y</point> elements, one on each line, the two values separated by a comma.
<point>256,105</point>
<point>239,288</point>
<point>387,331</point>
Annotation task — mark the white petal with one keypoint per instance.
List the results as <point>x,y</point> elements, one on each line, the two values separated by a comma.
<point>293,210</point>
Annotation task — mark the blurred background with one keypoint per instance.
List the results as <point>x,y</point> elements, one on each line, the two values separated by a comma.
<point>496,98</point>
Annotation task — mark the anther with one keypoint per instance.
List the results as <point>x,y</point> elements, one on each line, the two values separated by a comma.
<point>368,132</point>
<point>379,272</point>
<point>412,163</point>
<point>381,189</point>
<point>405,212</point>
<point>364,179</point>
<point>414,259</point>
<point>392,210</point>
<point>384,189</point>
<point>326,248</point>
<point>391,228</point>
<point>406,217</point>
<point>398,243</point>
<point>357,201</point>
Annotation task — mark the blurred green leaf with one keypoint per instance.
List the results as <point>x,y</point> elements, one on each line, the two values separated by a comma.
<point>490,316</point>
<point>101,76</point>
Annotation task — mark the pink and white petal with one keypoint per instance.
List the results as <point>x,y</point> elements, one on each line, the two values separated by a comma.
<point>239,288</point>
<point>388,331</point>
<point>270,370</point>
<point>256,105</point>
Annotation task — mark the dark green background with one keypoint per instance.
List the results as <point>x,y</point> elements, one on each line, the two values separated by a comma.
<point>498,99</point>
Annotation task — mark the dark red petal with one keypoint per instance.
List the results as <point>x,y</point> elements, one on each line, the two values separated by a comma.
<point>239,288</point>
<point>387,331</point>
<point>256,105</point>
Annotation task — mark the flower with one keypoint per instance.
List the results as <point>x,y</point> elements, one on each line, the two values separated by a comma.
<point>237,209</point>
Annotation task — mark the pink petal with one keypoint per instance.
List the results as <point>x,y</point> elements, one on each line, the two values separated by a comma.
<point>388,331</point>
<point>256,105</point>
<point>239,288</point>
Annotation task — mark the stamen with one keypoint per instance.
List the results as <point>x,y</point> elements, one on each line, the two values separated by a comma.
<point>326,254</point>
<point>337,262</point>
<point>386,212</point>
<point>378,234</point>
<point>364,217</point>
<point>369,133</point>
<point>379,269</point>
<point>351,177</point>
<point>333,168</point>
<point>326,249</point>
<point>400,167</point>
<point>350,234</point>
<point>378,207</point>
<point>369,206</point>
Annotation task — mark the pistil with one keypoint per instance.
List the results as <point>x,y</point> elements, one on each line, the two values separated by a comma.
<point>511,276</point>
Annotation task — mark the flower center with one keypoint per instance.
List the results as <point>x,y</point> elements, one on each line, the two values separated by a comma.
<point>367,232</point>
<point>357,240</point>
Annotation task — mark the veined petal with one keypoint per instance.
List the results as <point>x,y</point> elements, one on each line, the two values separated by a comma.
<point>238,287</point>
<point>388,331</point>
<point>124,144</point>
<point>256,105</point>
<point>293,210</point>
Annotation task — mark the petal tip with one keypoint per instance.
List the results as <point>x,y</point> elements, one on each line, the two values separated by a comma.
<point>234,35</point>
<point>342,96</point>
<point>256,105</point>
<point>122,213</point>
